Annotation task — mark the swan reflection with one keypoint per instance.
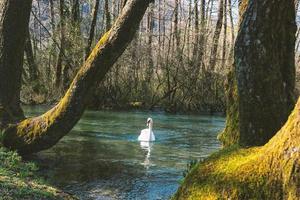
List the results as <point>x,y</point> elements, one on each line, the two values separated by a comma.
<point>146,146</point>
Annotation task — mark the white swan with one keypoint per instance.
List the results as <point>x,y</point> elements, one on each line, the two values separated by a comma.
<point>147,134</point>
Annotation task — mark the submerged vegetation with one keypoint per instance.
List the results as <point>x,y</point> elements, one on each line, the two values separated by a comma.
<point>19,180</point>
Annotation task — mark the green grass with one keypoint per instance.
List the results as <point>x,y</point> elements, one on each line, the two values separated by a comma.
<point>18,180</point>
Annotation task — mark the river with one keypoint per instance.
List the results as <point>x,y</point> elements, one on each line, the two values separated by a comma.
<point>101,158</point>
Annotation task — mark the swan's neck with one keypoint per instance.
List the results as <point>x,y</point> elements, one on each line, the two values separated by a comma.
<point>150,127</point>
<point>150,130</point>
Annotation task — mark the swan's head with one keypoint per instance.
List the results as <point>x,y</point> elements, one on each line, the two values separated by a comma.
<point>149,122</point>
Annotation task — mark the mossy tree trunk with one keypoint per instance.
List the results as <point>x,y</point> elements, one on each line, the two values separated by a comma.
<point>263,54</point>
<point>231,134</point>
<point>268,172</point>
<point>42,132</point>
<point>262,83</point>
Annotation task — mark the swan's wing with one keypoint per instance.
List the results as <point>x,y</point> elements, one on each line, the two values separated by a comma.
<point>152,136</point>
<point>143,135</point>
<point>144,131</point>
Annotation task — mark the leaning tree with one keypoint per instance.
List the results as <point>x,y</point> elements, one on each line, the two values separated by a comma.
<point>28,135</point>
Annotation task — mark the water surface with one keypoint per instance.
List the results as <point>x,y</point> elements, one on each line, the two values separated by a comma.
<point>102,159</point>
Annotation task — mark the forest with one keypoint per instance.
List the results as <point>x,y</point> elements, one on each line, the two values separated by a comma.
<point>175,42</point>
<point>216,81</point>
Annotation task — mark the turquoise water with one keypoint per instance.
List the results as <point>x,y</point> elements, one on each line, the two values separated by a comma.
<point>102,159</point>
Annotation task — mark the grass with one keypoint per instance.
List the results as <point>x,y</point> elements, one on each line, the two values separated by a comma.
<point>18,180</point>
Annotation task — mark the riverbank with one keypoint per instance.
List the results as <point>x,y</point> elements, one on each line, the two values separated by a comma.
<point>34,97</point>
<point>18,180</point>
<point>138,106</point>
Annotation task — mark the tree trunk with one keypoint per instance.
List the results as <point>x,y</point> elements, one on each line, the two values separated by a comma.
<point>232,27</point>
<point>176,24</point>
<point>265,85</point>
<point>202,43</point>
<point>197,32</point>
<point>33,69</point>
<point>265,70</point>
<point>59,63</point>
<point>216,37</point>
<point>52,15</point>
<point>124,3</point>
<point>92,29</point>
<point>264,64</point>
<point>150,26</point>
<point>76,11</point>
<point>223,65</point>
<point>107,16</point>
<point>231,134</point>
<point>15,16</point>
<point>38,133</point>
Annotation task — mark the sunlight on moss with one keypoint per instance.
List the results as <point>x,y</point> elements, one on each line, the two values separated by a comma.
<point>267,172</point>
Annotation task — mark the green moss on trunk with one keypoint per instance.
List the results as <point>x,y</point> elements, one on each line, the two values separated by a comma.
<point>231,135</point>
<point>268,172</point>
<point>42,132</point>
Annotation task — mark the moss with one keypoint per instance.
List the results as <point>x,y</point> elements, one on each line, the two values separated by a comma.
<point>99,45</point>
<point>222,176</point>
<point>230,135</point>
<point>30,130</point>
<point>36,134</point>
<point>18,180</point>
<point>267,172</point>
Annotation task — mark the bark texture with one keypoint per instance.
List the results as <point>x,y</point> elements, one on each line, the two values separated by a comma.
<point>33,69</point>
<point>231,134</point>
<point>265,69</point>
<point>216,37</point>
<point>42,132</point>
<point>92,28</point>
<point>261,84</point>
<point>59,63</point>
<point>15,16</point>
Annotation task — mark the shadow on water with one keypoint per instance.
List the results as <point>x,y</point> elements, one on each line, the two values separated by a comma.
<point>102,159</point>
